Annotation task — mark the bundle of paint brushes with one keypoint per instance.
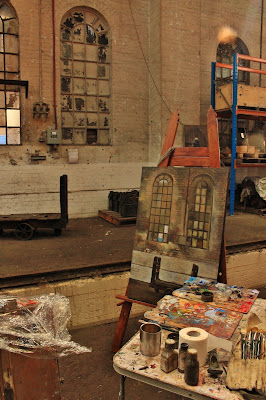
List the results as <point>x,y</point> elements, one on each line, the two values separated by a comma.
<point>252,344</point>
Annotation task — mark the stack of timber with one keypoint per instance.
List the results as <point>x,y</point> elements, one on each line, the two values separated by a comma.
<point>244,154</point>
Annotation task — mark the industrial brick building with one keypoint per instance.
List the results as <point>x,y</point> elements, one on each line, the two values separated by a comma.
<point>106,74</point>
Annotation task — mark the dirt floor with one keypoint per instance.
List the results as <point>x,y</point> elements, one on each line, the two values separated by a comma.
<point>89,243</point>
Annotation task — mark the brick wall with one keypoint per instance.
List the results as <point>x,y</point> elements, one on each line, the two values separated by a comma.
<point>178,40</point>
<point>36,189</point>
<point>245,18</point>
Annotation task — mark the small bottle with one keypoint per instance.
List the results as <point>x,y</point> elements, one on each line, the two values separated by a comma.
<point>192,368</point>
<point>182,356</point>
<point>175,337</point>
<point>169,356</point>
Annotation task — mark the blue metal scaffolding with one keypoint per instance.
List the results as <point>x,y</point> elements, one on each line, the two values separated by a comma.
<point>235,112</point>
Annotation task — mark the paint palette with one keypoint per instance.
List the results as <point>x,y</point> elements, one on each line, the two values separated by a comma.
<point>229,297</point>
<point>175,312</point>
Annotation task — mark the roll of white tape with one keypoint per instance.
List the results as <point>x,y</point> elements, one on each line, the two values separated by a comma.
<point>196,338</point>
<point>202,341</point>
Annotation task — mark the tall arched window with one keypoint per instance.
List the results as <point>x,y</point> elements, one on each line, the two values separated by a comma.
<point>85,74</point>
<point>9,70</point>
<point>225,53</point>
<point>161,208</point>
<point>199,213</point>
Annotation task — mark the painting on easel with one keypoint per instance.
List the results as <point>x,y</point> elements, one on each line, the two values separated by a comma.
<point>179,229</point>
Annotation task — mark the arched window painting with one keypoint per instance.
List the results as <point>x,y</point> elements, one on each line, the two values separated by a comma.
<point>161,208</point>
<point>199,213</point>
<point>85,75</point>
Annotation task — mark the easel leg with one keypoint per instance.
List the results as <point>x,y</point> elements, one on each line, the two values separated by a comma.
<point>122,395</point>
<point>222,267</point>
<point>121,326</point>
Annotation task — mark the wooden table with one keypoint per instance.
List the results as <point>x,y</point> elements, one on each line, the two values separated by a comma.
<point>129,362</point>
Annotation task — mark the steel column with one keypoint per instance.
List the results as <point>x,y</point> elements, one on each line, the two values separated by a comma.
<point>234,136</point>
<point>213,85</point>
<point>122,388</point>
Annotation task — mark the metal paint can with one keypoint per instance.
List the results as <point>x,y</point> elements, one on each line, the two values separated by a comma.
<point>150,339</point>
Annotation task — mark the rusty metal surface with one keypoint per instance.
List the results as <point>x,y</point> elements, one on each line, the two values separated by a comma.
<point>24,378</point>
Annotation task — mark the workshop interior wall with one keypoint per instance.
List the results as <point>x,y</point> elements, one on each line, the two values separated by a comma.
<point>178,41</point>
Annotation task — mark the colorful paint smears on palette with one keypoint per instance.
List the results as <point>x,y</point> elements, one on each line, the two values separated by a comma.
<point>176,312</point>
<point>230,297</point>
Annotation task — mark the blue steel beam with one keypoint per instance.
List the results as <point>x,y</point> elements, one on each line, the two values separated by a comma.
<point>213,85</point>
<point>234,136</point>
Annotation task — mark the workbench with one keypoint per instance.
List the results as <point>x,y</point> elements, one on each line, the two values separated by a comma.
<point>129,362</point>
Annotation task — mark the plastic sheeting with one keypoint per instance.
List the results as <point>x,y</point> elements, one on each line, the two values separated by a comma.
<point>260,184</point>
<point>37,327</point>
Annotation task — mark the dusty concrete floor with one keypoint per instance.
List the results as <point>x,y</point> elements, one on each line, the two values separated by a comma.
<point>91,376</point>
<point>86,243</point>
<point>83,243</point>
<point>94,242</point>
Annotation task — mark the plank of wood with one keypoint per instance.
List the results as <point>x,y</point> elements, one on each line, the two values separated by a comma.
<point>213,139</point>
<point>115,218</point>
<point>170,137</point>
<point>191,152</point>
<point>190,161</point>
<point>28,217</point>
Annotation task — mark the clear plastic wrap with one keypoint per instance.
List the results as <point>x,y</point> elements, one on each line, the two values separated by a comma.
<point>37,327</point>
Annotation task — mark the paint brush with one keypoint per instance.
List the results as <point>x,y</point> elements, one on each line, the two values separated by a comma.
<point>254,342</point>
<point>243,343</point>
<point>262,348</point>
<point>248,345</point>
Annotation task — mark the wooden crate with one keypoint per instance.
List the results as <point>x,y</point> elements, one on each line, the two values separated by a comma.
<point>247,96</point>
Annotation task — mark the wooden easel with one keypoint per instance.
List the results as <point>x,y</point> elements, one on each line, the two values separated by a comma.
<point>187,157</point>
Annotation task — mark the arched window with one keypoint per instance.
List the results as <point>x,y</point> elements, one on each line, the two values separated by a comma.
<point>225,54</point>
<point>161,208</point>
<point>199,213</point>
<point>85,74</point>
<point>9,70</point>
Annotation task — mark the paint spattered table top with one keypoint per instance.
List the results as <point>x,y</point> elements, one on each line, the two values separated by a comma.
<point>130,362</point>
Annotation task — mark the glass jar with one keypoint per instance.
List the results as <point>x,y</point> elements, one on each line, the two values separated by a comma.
<point>169,356</point>
<point>192,368</point>
<point>182,357</point>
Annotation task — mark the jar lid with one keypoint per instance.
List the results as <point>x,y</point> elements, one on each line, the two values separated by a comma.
<point>184,346</point>
<point>192,352</point>
<point>170,344</point>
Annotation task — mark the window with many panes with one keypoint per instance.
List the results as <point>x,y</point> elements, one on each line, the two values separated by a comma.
<point>9,70</point>
<point>161,208</point>
<point>85,74</point>
<point>199,213</point>
<point>225,54</point>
